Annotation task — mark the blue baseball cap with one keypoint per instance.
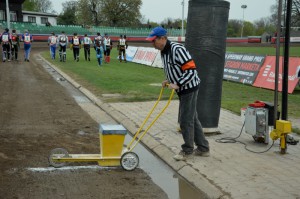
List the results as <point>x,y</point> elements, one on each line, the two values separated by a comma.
<point>156,32</point>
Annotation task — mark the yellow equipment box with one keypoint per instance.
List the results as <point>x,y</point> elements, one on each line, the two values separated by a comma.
<point>111,143</point>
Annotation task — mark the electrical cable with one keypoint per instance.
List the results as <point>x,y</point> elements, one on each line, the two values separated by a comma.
<point>233,140</point>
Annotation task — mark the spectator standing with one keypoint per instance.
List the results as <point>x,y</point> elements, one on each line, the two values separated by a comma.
<point>15,45</point>
<point>27,39</point>
<point>5,39</point>
<point>52,42</point>
<point>181,75</point>
<point>108,45</point>
<point>76,45</point>
<point>87,47</point>
<point>122,46</point>
<point>62,42</point>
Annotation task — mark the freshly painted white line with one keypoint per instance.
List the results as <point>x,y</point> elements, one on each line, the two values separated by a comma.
<point>47,169</point>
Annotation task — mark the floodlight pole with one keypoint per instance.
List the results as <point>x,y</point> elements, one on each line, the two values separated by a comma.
<point>7,15</point>
<point>243,7</point>
<point>285,82</point>
<point>182,19</point>
<point>277,62</point>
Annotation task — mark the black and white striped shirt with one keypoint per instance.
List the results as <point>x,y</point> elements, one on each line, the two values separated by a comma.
<point>179,67</point>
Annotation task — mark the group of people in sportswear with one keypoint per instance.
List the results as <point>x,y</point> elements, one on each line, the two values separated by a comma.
<point>101,44</point>
<point>11,44</point>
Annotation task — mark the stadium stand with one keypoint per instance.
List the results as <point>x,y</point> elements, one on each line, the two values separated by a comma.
<point>33,28</point>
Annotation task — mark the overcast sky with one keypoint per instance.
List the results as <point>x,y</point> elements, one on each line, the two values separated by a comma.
<point>158,10</point>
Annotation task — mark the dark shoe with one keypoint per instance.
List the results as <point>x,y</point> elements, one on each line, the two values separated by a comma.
<point>197,152</point>
<point>27,60</point>
<point>182,156</point>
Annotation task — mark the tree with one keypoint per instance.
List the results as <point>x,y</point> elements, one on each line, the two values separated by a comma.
<point>109,12</point>
<point>29,5</point>
<point>38,6</point>
<point>295,13</point>
<point>88,13</point>
<point>167,23</point>
<point>248,29</point>
<point>264,25</point>
<point>295,19</point>
<point>121,12</point>
<point>173,23</point>
<point>68,17</point>
<point>234,28</point>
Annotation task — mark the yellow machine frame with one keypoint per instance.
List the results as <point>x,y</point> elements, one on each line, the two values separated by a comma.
<point>111,148</point>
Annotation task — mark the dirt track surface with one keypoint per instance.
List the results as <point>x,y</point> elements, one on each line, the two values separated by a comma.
<point>37,115</point>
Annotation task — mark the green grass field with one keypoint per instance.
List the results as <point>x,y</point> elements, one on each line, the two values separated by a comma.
<point>294,51</point>
<point>135,82</point>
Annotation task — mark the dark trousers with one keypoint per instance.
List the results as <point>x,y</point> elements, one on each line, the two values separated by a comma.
<point>6,51</point>
<point>14,51</point>
<point>76,53</point>
<point>62,52</point>
<point>87,53</point>
<point>122,51</point>
<point>190,125</point>
<point>107,52</point>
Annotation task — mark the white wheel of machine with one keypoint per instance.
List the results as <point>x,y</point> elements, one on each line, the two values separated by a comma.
<point>57,153</point>
<point>129,161</point>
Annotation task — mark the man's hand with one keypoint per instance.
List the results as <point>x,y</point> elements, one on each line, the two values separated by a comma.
<point>173,86</point>
<point>165,83</point>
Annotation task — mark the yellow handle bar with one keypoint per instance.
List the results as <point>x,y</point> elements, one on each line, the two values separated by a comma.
<point>129,148</point>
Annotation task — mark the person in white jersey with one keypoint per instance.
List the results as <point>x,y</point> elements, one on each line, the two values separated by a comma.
<point>52,42</point>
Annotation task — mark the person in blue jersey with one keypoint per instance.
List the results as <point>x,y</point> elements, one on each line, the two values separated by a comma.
<point>181,75</point>
<point>27,39</point>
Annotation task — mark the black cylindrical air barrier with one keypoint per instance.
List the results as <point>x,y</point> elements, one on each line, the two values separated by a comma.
<point>206,41</point>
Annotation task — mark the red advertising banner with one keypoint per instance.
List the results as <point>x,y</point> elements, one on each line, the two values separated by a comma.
<point>145,55</point>
<point>266,76</point>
